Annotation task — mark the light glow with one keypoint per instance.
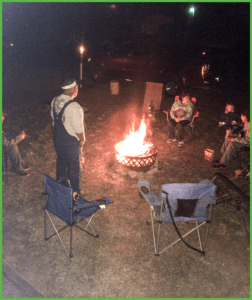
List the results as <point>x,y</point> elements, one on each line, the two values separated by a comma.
<point>192,10</point>
<point>82,49</point>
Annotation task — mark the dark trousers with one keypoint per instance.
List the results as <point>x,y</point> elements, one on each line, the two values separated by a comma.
<point>14,157</point>
<point>68,166</point>
<point>179,126</point>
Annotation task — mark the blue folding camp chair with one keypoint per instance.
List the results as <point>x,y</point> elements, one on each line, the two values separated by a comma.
<point>60,205</point>
<point>180,203</point>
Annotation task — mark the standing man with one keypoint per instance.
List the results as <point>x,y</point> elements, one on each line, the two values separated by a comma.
<point>68,133</point>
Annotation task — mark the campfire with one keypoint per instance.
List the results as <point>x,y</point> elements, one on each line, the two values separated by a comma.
<point>134,151</point>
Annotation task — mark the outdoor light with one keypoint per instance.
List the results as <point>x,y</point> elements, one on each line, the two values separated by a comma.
<point>82,50</point>
<point>192,10</point>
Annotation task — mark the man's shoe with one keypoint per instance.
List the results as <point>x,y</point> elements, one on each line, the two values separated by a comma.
<point>101,202</point>
<point>170,141</point>
<point>219,166</point>
<point>25,167</point>
<point>21,173</point>
<point>181,143</point>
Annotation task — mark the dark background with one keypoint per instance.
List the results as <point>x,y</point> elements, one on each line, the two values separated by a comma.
<point>50,33</point>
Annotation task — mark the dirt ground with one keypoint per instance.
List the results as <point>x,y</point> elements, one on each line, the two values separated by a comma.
<point>121,263</point>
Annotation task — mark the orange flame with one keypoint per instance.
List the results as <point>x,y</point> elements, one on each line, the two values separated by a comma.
<point>134,144</point>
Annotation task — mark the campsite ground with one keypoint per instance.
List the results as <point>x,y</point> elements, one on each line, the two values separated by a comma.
<point>121,262</point>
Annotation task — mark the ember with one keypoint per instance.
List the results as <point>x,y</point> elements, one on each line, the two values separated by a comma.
<point>134,151</point>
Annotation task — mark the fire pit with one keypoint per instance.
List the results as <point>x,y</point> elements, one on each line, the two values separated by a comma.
<point>140,161</point>
<point>134,152</point>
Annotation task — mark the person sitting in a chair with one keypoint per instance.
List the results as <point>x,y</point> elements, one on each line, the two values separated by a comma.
<point>10,148</point>
<point>180,116</point>
<point>229,119</point>
<point>232,145</point>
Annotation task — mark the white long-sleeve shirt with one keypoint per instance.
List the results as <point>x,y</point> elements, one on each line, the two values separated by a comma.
<point>246,138</point>
<point>188,109</point>
<point>73,116</point>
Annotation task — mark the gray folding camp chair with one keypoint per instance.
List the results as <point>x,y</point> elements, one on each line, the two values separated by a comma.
<point>180,203</point>
<point>61,206</point>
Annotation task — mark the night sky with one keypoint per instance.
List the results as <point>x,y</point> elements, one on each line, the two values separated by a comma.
<point>51,31</point>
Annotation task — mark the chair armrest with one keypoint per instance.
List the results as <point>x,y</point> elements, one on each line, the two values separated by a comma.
<point>167,112</point>
<point>196,115</point>
<point>104,201</point>
<point>84,204</point>
<point>153,199</point>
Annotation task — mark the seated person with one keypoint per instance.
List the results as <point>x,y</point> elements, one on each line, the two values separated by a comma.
<point>180,116</point>
<point>228,119</point>
<point>232,145</point>
<point>11,149</point>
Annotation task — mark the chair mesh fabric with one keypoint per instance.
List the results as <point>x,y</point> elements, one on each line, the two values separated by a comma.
<point>200,195</point>
<point>186,208</point>
<point>59,199</point>
<point>60,202</point>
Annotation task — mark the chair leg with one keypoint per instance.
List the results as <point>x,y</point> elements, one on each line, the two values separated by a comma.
<point>71,241</point>
<point>158,237</point>
<point>207,229</point>
<point>52,231</point>
<point>183,236</point>
<point>5,166</point>
<point>153,232</point>
<point>57,232</point>
<point>45,225</point>
<point>199,236</point>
